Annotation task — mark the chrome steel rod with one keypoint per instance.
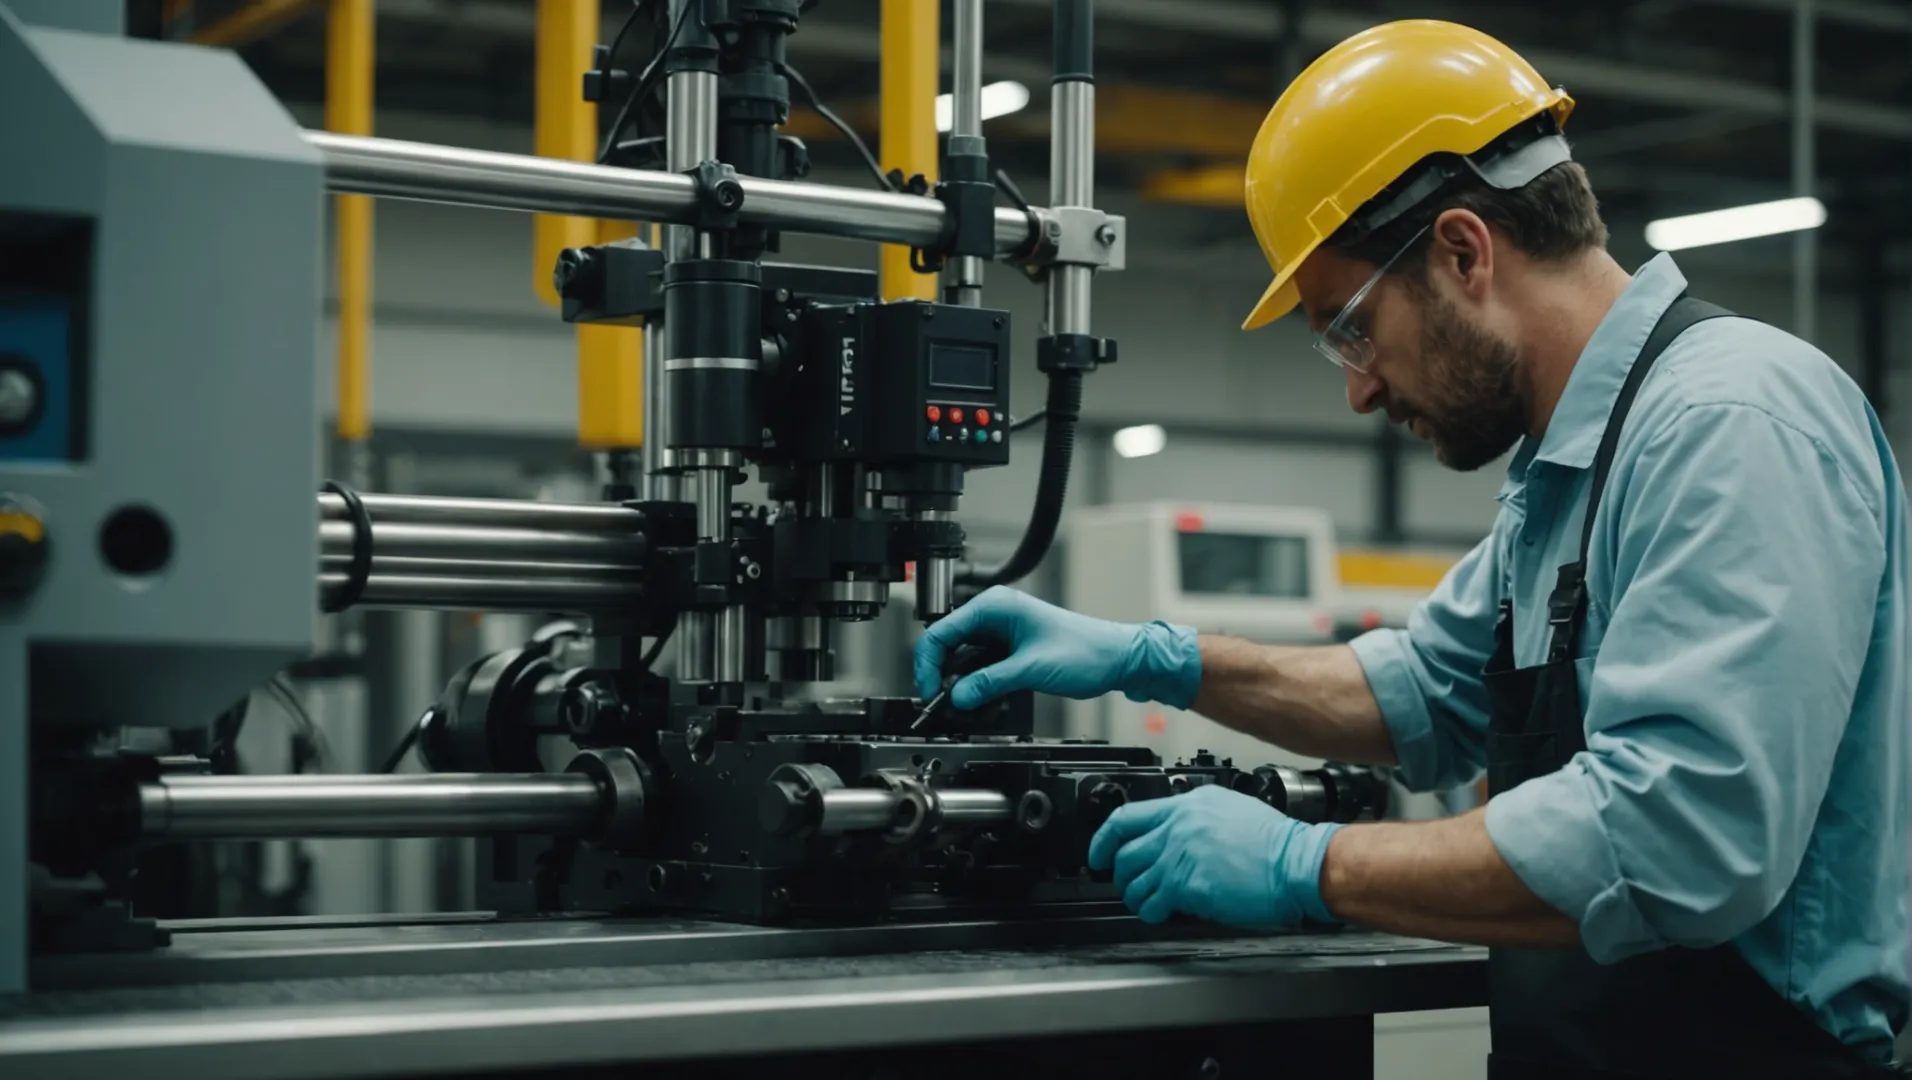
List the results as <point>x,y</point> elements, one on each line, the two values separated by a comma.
<point>963,280</point>
<point>502,513</point>
<point>476,593</point>
<point>484,543</point>
<point>1072,183</point>
<point>857,810</point>
<point>452,804</point>
<point>549,570</point>
<point>396,169</point>
<point>966,91</point>
<point>964,806</point>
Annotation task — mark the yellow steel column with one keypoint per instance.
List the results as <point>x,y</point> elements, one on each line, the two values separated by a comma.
<point>565,123</point>
<point>911,67</point>
<point>348,111</point>
<point>610,358</point>
<point>611,372</point>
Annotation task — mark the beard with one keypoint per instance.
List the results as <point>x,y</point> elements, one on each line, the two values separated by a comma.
<point>1473,413</point>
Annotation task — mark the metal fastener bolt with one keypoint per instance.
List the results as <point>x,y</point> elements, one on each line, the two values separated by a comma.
<point>18,397</point>
<point>1106,234</point>
<point>783,296</point>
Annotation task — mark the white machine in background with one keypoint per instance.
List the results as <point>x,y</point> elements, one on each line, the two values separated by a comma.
<point>1264,573</point>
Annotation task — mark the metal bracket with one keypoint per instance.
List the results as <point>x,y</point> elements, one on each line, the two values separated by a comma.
<point>1081,236</point>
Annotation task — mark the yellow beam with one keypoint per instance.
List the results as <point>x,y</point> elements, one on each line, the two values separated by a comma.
<point>1392,569</point>
<point>610,358</point>
<point>348,111</point>
<point>611,372</point>
<point>911,67</point>
<point>565,124</point>
<point>1217,186</point>
<point>249,23</point>
<point>1134,120</point>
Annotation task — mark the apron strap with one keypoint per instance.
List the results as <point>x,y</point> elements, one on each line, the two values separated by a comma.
<point>1567,605</point>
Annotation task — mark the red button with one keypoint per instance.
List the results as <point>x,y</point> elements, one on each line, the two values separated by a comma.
<point>955,416</point>
<point>982,417</point>
<point>935,414</point>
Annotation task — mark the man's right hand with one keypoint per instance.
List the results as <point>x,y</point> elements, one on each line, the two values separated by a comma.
<point>1060,652</point>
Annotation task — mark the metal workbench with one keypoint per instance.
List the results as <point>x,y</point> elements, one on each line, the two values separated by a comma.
<point>465,995</point>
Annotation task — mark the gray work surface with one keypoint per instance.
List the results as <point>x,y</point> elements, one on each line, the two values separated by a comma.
<point>451,996</point>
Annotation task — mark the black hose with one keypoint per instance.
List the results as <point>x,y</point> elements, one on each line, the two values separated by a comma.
<point>1052,486</point>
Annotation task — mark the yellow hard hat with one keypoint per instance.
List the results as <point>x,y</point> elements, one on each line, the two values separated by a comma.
<point>1365,113</point>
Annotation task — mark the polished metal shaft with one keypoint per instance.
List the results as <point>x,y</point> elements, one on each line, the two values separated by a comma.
<point>566,592</point>
<point>872,809</point>
<point>964,277</point>
<point>499,513</point>
<point>393,168</point>
<point>1072,183</point>
<point>485,543</point>
<point>451,804</point>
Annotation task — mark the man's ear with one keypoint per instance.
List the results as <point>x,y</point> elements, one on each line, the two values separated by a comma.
<point>1463,250</point>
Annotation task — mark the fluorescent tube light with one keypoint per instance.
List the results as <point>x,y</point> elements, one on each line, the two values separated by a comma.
<point>999,99</point>
<point>1737,223</point>
<point>1140,441</point>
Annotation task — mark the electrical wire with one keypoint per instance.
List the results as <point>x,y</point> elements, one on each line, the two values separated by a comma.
<point>282,692</point>
<point>1018,423</point>
<point>644,86</point>
<point>809,92</point>
<point>397,756</point>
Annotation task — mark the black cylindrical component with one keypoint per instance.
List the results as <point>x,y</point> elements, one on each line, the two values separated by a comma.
<point>1075,41</point>
<point>1052,485</point>
<point>712,317</point>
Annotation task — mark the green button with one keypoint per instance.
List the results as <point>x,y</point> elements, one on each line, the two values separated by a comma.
<point>982,436</point>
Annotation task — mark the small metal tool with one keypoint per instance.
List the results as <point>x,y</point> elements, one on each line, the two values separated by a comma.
<point>967,659</point>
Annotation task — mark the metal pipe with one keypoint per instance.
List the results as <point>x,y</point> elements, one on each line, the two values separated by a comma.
<point>448,804</point>
<point>484,543</point>
<point>972,806</point>
<point>696,633</point>
<point>407,566</point>
<point>713,504</point>
<point>397,169</point>
<point>935,588</point>
<point>966,91</point>
<point>501,513</point>
<point>1072,172</point>
<point>730,647</point>
<point>1804,165</point>
<point>964,282</point>
<point>856,810</point>
<point>659,483</point>
<point>580,595</point>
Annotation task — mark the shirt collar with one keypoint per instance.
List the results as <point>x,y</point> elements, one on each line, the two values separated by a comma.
<point>1579,419</point>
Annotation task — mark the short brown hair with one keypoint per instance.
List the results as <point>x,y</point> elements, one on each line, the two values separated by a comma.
<point>1554,217</point>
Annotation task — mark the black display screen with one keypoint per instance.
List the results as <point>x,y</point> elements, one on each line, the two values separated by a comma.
<point>962,367</point>
<point>1224,564</point>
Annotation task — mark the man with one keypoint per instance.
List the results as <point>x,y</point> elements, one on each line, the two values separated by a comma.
<point>1679,657</point>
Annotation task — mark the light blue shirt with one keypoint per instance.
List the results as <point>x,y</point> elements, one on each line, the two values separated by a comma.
<point>1742,671</point>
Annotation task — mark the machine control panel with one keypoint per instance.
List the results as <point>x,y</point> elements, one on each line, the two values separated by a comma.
<point>898,384</point>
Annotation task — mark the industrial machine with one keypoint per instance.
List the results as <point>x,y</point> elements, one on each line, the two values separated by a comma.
<point>158,555</point>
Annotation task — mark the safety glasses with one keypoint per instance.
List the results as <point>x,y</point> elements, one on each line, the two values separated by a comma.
<point>1342,341</point>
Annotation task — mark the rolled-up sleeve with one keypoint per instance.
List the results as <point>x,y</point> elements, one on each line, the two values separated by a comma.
<point>1426,678</point>
<point>1746,566</point>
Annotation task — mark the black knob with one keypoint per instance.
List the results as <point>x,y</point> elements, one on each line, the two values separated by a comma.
<point>578,273</point>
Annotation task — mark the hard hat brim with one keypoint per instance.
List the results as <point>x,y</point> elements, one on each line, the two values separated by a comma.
<point>1279,299</point>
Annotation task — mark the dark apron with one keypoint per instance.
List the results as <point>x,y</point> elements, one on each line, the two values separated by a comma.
<point>1675,1012</point>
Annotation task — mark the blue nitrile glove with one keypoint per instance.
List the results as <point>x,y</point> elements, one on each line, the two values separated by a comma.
<point>1218,855</point>
<point>1059,652</point>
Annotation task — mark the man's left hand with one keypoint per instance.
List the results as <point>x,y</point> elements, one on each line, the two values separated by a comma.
<point>1215,854</point>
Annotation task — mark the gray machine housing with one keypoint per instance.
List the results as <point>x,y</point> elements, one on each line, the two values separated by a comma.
<point>194,393</point>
